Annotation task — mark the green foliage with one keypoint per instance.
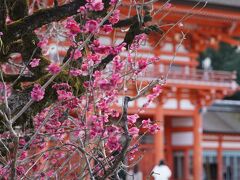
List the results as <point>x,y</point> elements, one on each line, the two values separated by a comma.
<point>226,58</point>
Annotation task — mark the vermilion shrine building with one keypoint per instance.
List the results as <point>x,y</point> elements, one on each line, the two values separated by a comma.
<point>188,140</point>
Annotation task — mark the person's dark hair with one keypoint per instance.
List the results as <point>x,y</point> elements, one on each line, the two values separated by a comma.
<point>135,169</point>
<point>161,162</point>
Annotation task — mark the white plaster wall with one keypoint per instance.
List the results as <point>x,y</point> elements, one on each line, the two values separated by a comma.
<point>167,47</point>
<point>142,100</point>
<point>231,145</point>
<point>186,104</point>
<point>210,144</point>
<point>182,49</point>
<point>182,138</point>
<point>170,104</point>
<point>105,40</point>
<point>176,58</point>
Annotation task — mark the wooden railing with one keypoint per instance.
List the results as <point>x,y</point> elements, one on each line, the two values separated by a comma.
<point>196,75</point>
<point>203,75</point>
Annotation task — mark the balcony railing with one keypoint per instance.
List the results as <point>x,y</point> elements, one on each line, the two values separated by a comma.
<point>203,75</point>
<point>197,77</point>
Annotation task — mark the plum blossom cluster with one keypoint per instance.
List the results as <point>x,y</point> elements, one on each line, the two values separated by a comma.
<point>155,93</point>
<point>37,93</point>
<point>34,62</point>
<point>91,25</point>
<point>82,119</point>
<point>90,117</point>
<point>148,125</point>
<point>138,41</point>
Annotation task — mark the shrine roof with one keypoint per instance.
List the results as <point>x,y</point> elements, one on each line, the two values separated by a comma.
<point>222,117</point>
<point>225,10</point>
<point>233,3</point>
<point>215,3</point>
<point>221,5</point>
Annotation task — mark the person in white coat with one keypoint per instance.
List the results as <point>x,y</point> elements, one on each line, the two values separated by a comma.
<point>161,171</point>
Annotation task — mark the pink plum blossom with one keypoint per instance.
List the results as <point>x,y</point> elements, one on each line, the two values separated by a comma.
<point>50,173</point>
<point>95,5</point>
<point>102,49</point>
<point>22,142</point>
<point>114,18</point>
<point>146,123</point>
<point>72,26</point>
<point>84,69</point>
<point>132,118</point>
<point>133,131</point>
<point>54,68</point>
<point>154,128</point>
<point>34,62</point>
<point>113,2</point>
<point>54,161</point>
<point>168,5</point>
<point>77,54</point>
<point>107,28</point>
<point>64,95</point>
<point>23,155</point>
<point>94,58</point>
<point>157,89</point>
<point>20,170</point>
<point>142,64</point>
<point>117,63</point>
<point>113,143</point>
<point>91,26</point>
<point>119,48</point>
<point>138,40</point>
<point>42,43</point>
<point>82,10</point>
<point>37,93</point>
<point>75,72</point>
<point>3,170</point>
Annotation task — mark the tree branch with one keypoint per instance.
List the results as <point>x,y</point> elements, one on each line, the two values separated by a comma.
<point>3,15</point>
<point>40,18</point>
<point>12,77</point>
<point>120,157</point>
<point>55,3</point>
<point>130,21</point>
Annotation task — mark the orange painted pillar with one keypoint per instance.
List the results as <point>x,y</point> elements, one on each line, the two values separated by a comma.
<point>220,160</point>
<point>197,147</point>
<point>168,143</point>
<point>159,136</point>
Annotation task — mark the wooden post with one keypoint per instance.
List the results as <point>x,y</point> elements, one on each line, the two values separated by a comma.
<point>159,137</point>
<point>197,147</point>
<point>220,159</point>
<point>168,143</point>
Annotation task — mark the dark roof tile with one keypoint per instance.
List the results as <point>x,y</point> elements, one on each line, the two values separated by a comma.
<point>225,122</point>
<point>232,3</point>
